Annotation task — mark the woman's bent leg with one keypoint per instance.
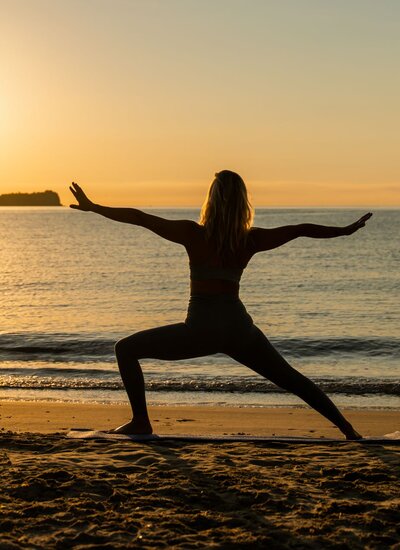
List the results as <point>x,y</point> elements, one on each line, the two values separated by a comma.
<point>171,342</point>
<point>260,355</point>
<point>133,380</point>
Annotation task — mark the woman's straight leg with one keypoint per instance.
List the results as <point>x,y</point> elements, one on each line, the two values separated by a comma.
<point>260,355</point>
<point>170,342</point>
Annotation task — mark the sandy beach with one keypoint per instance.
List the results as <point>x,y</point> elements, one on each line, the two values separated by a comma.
<point>63,493</point>
<point>50,417</point>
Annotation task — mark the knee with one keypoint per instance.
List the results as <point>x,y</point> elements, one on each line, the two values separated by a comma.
<point>124,347</point>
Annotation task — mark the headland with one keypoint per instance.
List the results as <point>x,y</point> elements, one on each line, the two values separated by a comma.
<point>44,198</point>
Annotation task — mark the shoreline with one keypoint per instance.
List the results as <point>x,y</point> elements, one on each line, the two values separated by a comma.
<point>49,417</point>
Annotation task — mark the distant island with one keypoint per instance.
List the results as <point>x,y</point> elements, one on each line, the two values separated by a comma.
<point>45,198</point>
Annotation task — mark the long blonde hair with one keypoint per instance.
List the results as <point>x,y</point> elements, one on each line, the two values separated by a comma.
<point>227,214</point>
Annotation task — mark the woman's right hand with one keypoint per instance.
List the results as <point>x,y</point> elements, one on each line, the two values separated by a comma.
<point>353,227</point>
<point>83,202</point>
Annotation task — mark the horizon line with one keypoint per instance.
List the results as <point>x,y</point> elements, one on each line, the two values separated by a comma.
<point>192,207</point>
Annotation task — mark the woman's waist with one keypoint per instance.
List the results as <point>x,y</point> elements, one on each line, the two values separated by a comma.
<point>214,299</point>
<point>217,310</point>
<point>214,287</point>
<point>215,303</point>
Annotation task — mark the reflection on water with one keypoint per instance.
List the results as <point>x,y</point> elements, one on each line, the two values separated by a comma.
<point>73,281</point>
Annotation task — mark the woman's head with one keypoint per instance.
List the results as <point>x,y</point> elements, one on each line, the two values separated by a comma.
<point>227,214</point>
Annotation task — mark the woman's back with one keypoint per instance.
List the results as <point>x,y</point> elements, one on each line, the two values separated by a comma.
<point>210,273</point>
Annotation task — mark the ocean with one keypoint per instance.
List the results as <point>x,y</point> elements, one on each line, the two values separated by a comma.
<point>72,283</point>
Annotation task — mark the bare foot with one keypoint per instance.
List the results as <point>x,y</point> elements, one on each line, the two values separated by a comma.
<point>351,434</point>
<point>137,426</point>
<point>354,436</point>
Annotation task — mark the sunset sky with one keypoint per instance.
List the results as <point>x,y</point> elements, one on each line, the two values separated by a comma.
<point>141,101</point>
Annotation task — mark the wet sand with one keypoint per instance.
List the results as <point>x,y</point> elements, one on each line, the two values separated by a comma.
<point>60,417</point>
<point>63,493</point>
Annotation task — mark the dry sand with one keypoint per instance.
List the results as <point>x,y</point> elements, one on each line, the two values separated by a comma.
<point>63,493</point>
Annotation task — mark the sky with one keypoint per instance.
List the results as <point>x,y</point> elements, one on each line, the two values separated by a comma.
<point>142,101</point>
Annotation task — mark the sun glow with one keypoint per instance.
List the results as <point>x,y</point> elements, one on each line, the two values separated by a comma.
<point>148,100</point>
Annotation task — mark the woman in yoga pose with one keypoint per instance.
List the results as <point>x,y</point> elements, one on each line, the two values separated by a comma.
<point>219,248</point>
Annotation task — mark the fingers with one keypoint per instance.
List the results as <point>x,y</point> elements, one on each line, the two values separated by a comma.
<point>366,216</point>
<point>78,193</point>
<point>362,220</point>
<point>77,187</point>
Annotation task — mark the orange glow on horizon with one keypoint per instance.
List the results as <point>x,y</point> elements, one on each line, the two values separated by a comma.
<point>263,194</point>
<point>149,100</point>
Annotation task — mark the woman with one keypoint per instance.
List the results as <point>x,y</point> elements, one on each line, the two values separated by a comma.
<point>219,248</point>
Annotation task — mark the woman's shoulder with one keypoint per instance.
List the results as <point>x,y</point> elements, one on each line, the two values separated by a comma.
<point>254,234</point>
<point>196,234</point>
<point>191,227</point>
<point>196,228</point>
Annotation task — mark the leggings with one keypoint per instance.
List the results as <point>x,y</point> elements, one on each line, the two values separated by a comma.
<point>217,324</point>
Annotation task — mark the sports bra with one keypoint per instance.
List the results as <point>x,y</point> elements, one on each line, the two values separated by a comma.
<point>204,272</point>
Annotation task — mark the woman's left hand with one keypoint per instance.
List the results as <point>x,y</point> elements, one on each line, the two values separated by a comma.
<point>352,228</point>
<point>83,202</point>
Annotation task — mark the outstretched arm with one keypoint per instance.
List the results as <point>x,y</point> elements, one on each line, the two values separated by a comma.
<point>266,239</point>
<point>177,231</point>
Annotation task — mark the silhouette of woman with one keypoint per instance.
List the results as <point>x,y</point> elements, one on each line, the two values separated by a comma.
<point>219,248</point>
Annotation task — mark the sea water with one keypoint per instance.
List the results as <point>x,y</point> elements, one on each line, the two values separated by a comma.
<point>72,283</point>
